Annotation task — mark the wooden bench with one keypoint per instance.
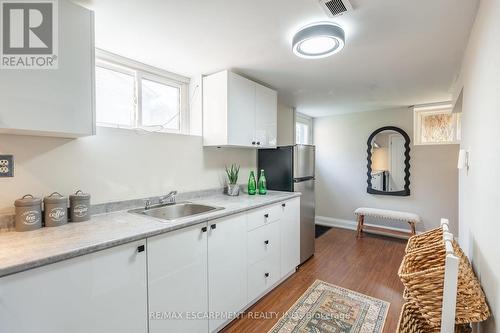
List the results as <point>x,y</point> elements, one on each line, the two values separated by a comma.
<point>406,217</point>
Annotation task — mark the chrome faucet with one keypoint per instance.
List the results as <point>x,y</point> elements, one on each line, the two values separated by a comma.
<point>147,204</point>
<point>169,198</point>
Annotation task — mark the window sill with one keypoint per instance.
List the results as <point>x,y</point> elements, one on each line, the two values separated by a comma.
<point>437,143</point>
<point>141,130</point>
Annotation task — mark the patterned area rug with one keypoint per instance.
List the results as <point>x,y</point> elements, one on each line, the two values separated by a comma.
<point>326,308</point>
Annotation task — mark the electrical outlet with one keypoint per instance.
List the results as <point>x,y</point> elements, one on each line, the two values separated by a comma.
<point>6,166</point>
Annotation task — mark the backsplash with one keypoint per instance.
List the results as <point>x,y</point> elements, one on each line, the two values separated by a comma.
<point>7,220</point>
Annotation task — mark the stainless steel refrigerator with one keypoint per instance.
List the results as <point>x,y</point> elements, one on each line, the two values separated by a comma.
<point>291,168</point>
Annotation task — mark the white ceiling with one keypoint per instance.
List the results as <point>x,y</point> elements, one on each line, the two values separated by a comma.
<point>397,53</point>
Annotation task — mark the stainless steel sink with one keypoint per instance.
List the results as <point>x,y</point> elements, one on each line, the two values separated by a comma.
<point>174,211</point>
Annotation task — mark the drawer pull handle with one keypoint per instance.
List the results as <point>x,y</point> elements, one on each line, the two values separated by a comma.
<point>266,242</point>
<point>266,274</point>
<point>204,229</point>
<point>253,142</point>
<point>266,215</point>
<point>141,248</point>
<point>213,226</point>
<point>283,205</point>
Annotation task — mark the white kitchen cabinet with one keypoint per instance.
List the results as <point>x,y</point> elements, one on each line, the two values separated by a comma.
<point>241,121</point>
<point>264,253</point>
<point>227,268</point>
<point>266,116</point>
<point>177,280</point>
<point>290,236</point>
<point>56,102</point>
<point>100,292</point>
<point>265,215</point>
<point>263,241</point>
<point>238,112</point>
<point>263,275</point>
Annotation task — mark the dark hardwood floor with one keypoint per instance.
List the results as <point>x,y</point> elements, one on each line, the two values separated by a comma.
<point>368,265</point>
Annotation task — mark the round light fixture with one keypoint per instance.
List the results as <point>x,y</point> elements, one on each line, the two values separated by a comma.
<point>318,40</point>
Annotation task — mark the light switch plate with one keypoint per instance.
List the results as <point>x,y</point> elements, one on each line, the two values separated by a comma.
<point>6,166</point>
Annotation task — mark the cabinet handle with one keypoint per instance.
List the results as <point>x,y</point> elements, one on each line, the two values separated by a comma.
<point>266,274</point>
<point>213,226</point>
<point>204,229</point>
<point>258,143</point>
<point>283,205</point>
<point>266,215</point>
<point>266,242</point>
<point>141,248</point>
<point>253,142</point>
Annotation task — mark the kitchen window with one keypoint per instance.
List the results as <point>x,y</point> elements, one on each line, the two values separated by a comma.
<point>136,96</point>
<point>436,124</point>
<point>303,129</point>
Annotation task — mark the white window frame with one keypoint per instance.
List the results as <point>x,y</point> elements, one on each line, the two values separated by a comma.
<point>306,120</point>
<point>433,109</point>
<point>141,71</point>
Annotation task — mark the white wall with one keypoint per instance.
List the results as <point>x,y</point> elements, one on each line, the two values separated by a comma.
<point>341,168</point>
<point>286,125</point>
<point>116,164</point>
<point>479,196</point>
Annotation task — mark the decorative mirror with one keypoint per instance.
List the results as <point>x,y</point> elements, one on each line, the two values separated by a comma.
<point>389,162</point>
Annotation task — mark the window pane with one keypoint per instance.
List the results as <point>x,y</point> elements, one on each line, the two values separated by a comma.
<point>438,128</point>
<point>160,105</point>
<point>114,97</point>
<point>302,133</point>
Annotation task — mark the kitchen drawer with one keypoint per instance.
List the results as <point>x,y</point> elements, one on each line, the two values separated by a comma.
<point>262,216</point>
<point>263,275</point>
<point>263,242</point>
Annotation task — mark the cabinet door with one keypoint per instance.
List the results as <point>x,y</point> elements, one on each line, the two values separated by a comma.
<point>241,111</point>
<point>290,236</point>
<point>263,275</point>
<point>177,280</point>
<point>101,292</point>
<point>58,102</point>
<point>227,267</point>
<point>266,112</point>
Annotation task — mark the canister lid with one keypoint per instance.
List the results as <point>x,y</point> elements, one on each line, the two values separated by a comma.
<point>56,198</point>
<point>79,195</point>
<point>27,200</point>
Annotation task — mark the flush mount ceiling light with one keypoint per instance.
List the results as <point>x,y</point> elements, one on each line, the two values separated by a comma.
<point>318,40</point>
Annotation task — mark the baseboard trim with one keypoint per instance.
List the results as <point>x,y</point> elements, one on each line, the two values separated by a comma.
<point>352,225</point>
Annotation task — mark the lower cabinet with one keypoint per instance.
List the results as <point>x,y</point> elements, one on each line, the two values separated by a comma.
<point>190,280</point>
<point>177,281</point>
<point>263,258</point>
<point>101,292</point>
<point>227,269</point>
<point>197,276</point>
<point>290,236</point>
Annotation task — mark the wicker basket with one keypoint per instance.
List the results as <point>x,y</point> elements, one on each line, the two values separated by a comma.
<point>426,239</point>
<point>411,321</point>
<point>422,273</point>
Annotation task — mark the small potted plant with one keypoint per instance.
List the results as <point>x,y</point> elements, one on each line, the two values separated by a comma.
<point>233,189</point>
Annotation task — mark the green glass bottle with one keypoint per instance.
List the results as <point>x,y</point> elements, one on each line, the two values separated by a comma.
<point>262,183</point>
<point>252,185</point>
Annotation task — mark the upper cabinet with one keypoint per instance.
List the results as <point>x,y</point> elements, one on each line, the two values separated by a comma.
<point>60,101</point>
<point>238,112</point>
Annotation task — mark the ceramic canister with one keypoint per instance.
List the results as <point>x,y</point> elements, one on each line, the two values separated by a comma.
<point>55,210</point>
<point>79,206</point>
<point>28,213</point>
